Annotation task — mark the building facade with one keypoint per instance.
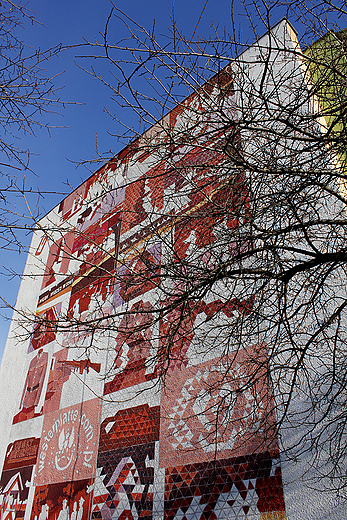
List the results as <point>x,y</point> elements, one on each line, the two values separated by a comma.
<point>115,407</point>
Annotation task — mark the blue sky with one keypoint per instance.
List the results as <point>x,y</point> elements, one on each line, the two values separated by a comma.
<point>74,134</point>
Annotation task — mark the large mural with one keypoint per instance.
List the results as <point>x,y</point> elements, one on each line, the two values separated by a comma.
<point>136,420</point>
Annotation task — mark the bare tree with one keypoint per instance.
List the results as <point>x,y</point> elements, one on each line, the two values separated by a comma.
<point>27,95</point>
<point>221,228</point>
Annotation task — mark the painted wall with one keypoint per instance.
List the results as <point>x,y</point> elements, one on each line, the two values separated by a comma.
<point>328,67</point>
<point>89,428</point>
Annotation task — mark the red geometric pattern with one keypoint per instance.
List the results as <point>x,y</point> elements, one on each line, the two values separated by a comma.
<point>132,349</point>
<point>14,492</point>
<point>181,336</point>
<point>124,487</point>
<point>217,452</point>
<point>140,274</point>
<point>138,425</point>
<point>215,407</point>
<point>240,488</point>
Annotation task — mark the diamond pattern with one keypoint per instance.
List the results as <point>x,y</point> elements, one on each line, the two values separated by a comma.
<point>242,488</point>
